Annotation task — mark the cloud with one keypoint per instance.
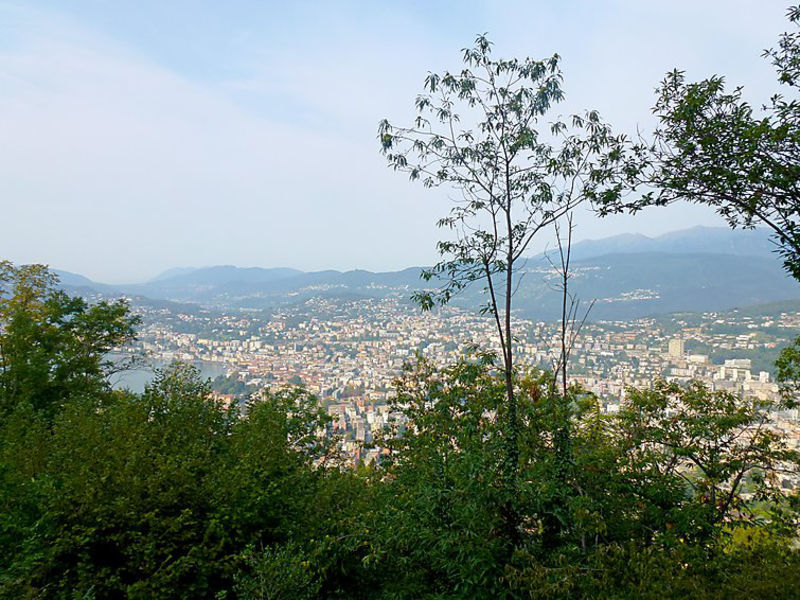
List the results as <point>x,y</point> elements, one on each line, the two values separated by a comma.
<point>118,162</point>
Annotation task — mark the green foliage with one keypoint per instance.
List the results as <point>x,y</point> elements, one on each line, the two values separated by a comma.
<point>281,573</point>
<point>788,373</point>
<point>653,573</point>
<point>230,384</point>
<point>631,505</point>
<point>152,495</point>
<point>707,445</point>
<point>440,515</point>
<point>169,494</point>
<point>481,131</point>
<point>711,147</point>
<point>159,495</point>
<point>53,345</point>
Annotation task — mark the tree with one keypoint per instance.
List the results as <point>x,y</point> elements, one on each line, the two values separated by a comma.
<point>660,492</point>
<point>169,494</point>
<point>164,494</point>
<point>442,506</point>
<point>480,131</point>
<point>53,345</point>
<point>717,446</point>
<point>787,373</point>
<point>711,147</point>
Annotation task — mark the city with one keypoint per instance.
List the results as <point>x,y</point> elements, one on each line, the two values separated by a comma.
<point>349,352</point>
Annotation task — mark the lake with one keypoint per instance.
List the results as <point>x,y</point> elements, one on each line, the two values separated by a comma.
<point>136,379</point>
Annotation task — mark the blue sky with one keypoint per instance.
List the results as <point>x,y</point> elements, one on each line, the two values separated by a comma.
<point>139,136</point>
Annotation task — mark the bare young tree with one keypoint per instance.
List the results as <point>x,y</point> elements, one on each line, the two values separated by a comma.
<point>570,326</point>
<point>481,131</point>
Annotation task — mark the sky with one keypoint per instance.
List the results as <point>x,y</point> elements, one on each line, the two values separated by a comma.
<point>141,136</point>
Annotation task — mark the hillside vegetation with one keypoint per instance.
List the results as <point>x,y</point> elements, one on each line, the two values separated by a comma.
<point>168,494</point>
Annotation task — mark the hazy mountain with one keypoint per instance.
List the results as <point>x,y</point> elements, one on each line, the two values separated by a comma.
<point>628,276</point>
<point>82,286</point>
<point>201,284</point>
<point>175,272</point>
<point>74,280</point>
<point>697,240</point>
<point>225,274</point>
<point>648,283</point>
<point>624,285</point>
<point>260,291</point>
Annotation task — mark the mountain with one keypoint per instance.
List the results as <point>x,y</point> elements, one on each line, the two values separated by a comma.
<point>79,285</point>
<point>622,285</point>
<point>204,283</point>
<point>175,272</point>
<point>231,287</point>
<point>224,274</point>
<point>626,276</point>
<point>630,285</point>
<point>74,280</point>
<point>697,240</point>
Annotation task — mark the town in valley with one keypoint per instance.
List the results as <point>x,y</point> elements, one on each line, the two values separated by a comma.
<point>349,351</point>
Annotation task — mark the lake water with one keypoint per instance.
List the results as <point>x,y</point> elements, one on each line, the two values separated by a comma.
<point>136,379</point>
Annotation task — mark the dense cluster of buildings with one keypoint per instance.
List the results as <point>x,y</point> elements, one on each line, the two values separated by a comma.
<point>349,353</point>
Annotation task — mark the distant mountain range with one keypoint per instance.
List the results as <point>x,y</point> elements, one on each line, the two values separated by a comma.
<point>697,240</point>
<point>627,276</point>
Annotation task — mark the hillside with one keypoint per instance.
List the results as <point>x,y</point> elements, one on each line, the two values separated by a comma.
<point>695,240</point>
<point>627,276</point>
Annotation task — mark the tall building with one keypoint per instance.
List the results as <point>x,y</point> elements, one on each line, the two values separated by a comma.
<point>676,348</point>
<point>739,363</point>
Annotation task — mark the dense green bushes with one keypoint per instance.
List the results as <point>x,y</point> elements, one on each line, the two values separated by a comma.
<point>158,495</point>
<point>168,494</point>
<point>649,503</point>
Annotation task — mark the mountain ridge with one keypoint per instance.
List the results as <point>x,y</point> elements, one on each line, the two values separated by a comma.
<point>629,276</point>
<point>700,238</point>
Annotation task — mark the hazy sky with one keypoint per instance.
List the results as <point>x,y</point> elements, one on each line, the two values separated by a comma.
<point>139,136</point>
